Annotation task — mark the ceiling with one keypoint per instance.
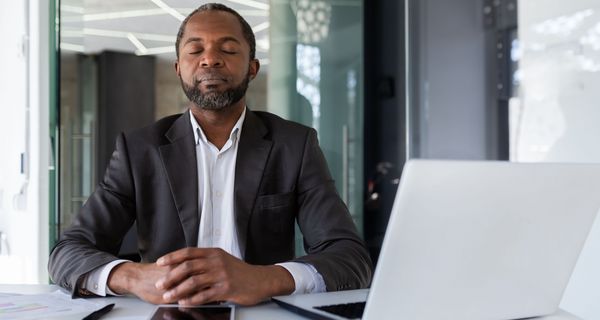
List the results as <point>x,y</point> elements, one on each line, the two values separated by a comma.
<point>144,27</point>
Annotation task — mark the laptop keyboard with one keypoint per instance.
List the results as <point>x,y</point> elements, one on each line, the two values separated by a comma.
<point>347,310</point>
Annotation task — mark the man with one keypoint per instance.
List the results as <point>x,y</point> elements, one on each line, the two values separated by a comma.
<point>215,193</point>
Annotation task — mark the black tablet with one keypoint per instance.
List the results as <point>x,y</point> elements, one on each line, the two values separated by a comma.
<point>210,312</point>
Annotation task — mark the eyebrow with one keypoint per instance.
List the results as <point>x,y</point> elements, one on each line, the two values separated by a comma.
<point>221,40</point>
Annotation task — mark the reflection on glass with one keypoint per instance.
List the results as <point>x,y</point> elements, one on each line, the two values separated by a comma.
<point>143,27</point>
<point>557,113</point>
<point>192,313</point>
<point>308,63</point>
<point>563,26</point>
<point>310,49</point>
<point>592,38</point>
<point>312,20</point>
<point>135,28</point>
<point>315,78</point>
<point>555,116</point>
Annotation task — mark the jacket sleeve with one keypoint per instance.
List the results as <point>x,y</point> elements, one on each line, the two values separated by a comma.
<point>331,240</point>
<point>96,233</point>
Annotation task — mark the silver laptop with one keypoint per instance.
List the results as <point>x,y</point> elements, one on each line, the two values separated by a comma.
<point>474,240</point>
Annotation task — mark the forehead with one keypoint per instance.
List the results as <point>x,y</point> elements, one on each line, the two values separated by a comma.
<point>213,24</point>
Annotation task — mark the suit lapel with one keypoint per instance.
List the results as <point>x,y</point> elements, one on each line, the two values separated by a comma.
<point>179,159</point>
<point>253,152</point>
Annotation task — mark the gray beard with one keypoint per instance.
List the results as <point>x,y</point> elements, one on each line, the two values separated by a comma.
<point>215,100</point>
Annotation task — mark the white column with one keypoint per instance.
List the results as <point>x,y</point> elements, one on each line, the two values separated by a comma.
<point>39,97</point>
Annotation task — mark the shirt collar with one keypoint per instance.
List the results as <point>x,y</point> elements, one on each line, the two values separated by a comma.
<point>199,133</point>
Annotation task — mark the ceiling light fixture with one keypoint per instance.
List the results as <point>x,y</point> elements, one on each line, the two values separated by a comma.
<point>123,14</point>
<point>169,10</point>
<point>66,33</point>
<point>157,50</point>
<point>71,47</point>
<point>137,43</point>
<point>262,44</point>
<point>260,27</point>
<point>564,25</point>
<point>122,34</point>
<point>71,9</point>
<point>242,12</point>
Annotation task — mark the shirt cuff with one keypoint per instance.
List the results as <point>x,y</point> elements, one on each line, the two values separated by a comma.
<point>96,281</point>
<point>306,277</point>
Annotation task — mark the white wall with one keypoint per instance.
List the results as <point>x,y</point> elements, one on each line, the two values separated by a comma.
<point>39,97</point>
<point>24,130</point>
<point>557,113</point>
<point>13,183</point>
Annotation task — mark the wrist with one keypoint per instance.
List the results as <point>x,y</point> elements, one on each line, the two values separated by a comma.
<point>122,277</point>
<point>279,281</point>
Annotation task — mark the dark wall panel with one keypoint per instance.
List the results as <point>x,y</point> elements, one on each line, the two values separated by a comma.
<point>126,101</point>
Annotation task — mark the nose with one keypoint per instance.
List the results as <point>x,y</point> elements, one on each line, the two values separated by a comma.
<point>211,59</point>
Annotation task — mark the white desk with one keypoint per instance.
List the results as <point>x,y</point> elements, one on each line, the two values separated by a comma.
<point>130,308</point>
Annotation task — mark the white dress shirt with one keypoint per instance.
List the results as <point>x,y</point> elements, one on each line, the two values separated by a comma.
<point>216,175</point>
<point>216,179</point>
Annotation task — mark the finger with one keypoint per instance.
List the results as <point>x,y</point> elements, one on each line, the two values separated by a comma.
<point>181,272</point>
<point>202,297</point>
<point>181,255</point>
<point>184,254</point>
<point>188,287</point>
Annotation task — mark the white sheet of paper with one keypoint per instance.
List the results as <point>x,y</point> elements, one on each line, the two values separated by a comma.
<point>42,306</point>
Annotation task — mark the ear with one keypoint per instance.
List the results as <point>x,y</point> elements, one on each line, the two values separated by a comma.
<point>253,68</point>
<point>177,71</point>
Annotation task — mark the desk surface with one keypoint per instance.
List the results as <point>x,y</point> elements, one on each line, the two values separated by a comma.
<point>130,308</point>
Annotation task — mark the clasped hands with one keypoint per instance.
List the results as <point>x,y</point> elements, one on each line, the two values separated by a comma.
<point>194,276</point>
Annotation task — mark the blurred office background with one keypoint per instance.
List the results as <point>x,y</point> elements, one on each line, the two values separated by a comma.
<point>382,81</point>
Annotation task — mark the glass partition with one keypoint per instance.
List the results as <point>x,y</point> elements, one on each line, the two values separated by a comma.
<point>311,72</point>
<point>316,78</point>
<point>554,114</point>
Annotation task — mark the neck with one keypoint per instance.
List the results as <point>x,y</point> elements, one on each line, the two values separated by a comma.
<point>217,124</point>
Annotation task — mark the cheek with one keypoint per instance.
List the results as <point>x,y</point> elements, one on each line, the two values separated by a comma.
<point>186,69</point>
<point>243,69</point>
<point>186,64</point>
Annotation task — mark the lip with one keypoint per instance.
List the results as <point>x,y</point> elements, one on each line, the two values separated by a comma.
<point>211,78</point>
<point>211,81</point>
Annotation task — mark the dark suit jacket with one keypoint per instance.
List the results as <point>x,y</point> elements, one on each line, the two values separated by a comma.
<point>281,176</point>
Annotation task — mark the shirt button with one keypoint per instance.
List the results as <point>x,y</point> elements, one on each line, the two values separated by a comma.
<point>219,194</point>
<point>95,286</point>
